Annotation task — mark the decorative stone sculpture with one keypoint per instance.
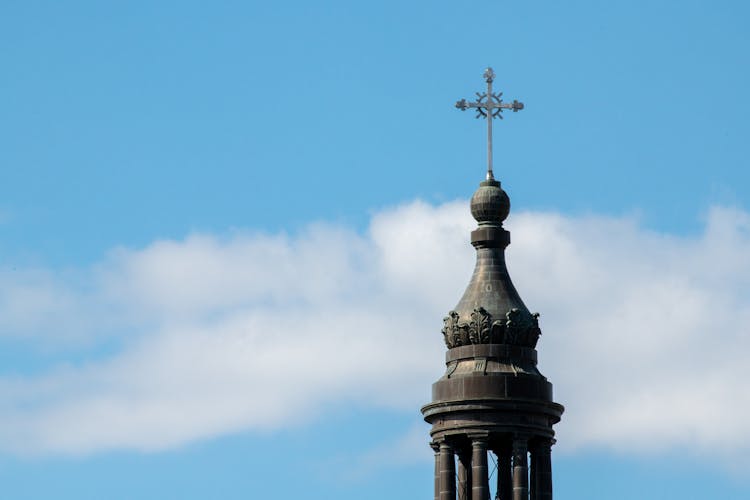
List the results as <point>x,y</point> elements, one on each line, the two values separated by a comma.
<point>518,327</point>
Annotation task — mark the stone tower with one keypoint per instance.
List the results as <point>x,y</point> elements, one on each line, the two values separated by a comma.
<point>492,405</point>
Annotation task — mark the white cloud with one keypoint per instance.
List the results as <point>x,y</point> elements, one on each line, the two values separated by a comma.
<point>645,334</point>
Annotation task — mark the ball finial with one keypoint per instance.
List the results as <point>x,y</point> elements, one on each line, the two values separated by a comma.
<point>490,204</point>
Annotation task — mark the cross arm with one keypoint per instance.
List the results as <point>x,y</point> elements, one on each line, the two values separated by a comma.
<point>515,105</point>
<point>463,105</point>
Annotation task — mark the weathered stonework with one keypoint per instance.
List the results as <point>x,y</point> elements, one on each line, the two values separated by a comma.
<point>518,327</point>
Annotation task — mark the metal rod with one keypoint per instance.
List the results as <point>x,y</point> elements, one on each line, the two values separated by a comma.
<point>490,118</point>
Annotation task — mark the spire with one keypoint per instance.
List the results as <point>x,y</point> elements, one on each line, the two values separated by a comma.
<point>492,398</point>
<point>490,310</point>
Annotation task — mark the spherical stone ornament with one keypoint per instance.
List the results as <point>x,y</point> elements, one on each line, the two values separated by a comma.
<point>490,204</point>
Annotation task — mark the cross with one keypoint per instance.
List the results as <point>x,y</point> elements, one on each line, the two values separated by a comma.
<point>489,106</point>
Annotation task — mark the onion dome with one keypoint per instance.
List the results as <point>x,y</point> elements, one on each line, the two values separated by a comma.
<point>490,311</point>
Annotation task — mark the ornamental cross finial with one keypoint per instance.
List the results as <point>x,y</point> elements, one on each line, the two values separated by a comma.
<point>489,105</point>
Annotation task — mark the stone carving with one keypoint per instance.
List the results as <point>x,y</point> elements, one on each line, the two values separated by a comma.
<point>522,328</point>
<point>455,333</point>
<point>479,327</point>
<point>517,328</point>
<point>498,332</point>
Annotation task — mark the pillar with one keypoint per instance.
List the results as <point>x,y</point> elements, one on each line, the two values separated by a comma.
<point>504,473</point>
<point>464,475</point>
<point>533,483</point>
<point>543,466</point>
<point>520,470</point>
<point>447,473</point>
<point>436,448</point>
<point>480,487</point>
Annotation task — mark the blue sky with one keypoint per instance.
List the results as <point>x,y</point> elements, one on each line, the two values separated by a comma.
<point>229,233</point>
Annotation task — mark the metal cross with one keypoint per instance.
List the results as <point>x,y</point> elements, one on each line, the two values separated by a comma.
<point>489,106</point>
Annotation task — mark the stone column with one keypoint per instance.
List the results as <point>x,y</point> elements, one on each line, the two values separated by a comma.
<point>480,486</point>
<point>464,475</point>
<point>504,474</point>
<point>543,466</point>
<point>520,470</point>
<point>447,473</point>
<point>533,478</point>
<point>436,448</point>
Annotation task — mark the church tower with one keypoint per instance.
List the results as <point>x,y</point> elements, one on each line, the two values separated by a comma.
<point>492,411</point>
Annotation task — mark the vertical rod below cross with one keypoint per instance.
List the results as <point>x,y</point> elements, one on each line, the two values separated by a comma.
<point>490,175</point>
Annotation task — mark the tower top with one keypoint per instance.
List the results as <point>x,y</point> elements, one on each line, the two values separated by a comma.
<point>492,396</point>
<point>489,105</point>
<point>490,298</point>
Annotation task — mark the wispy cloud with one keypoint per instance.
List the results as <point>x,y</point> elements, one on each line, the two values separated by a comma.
<point>644,333</point>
